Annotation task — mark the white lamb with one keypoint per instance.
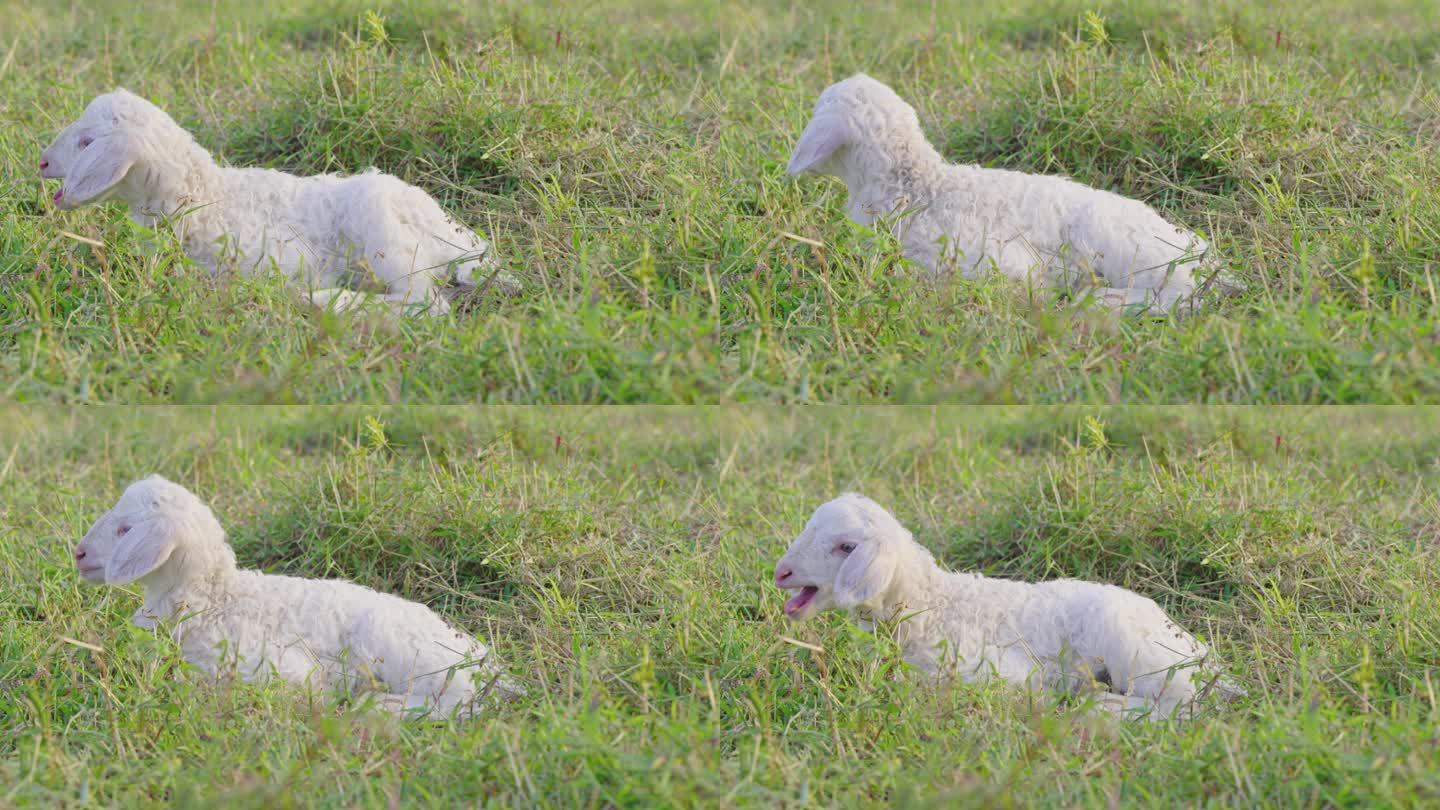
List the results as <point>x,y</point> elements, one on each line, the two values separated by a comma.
<point>326,634</point>
<point>1064,635</point>
<point>1048,231</point>
<point>321,232</point>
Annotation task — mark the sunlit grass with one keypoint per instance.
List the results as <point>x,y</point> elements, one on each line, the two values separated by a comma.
<point>628,160</point>
<point>620,560</point>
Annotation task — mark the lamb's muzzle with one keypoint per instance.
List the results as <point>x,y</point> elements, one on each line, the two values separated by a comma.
<point>804,595</point>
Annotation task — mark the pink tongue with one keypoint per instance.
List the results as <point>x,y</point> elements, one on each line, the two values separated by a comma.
<point>59,194</point>
<point>800,600</point>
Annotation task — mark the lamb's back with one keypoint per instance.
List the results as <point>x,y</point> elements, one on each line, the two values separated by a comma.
<point>1019,220</point>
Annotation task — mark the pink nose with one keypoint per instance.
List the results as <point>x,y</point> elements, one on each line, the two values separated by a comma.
<point>44,164</point>
<point>79,554</point>
<point>782,574</point>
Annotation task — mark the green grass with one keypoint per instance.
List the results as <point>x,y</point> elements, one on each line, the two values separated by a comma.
<point>620,560</point>
<point>628,160</point>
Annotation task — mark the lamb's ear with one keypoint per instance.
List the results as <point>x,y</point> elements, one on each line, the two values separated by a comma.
<point>827,131</point>
<point>864,574</point>
<point>147,546</point>
<point>100,167</point>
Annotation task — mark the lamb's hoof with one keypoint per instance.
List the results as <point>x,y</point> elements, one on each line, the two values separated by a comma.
<point>1124,303</point>
<point>335,299</point>
<point>1219,287</point>
<point>500,283</point>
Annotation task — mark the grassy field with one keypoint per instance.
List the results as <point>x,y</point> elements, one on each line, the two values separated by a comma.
<point>620,560</point>
<point>628,159</point>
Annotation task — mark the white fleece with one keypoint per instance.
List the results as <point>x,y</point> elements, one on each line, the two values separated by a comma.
<point>1045,230</point>
<point>325,634</point>
<point>1065,635</point>
<point>324,233</point>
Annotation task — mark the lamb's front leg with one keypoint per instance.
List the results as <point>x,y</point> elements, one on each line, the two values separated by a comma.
<point>337,298</point>
<point>1130,300</point>
<point>403,303</point>
<point>410,706</point>
<point>1130,707</point>
<point>459,704</point>
<point>486,275</point>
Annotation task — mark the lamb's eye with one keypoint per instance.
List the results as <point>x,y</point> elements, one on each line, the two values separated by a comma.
<point>84,141</point>
<point>845,548</point>
<point>120,531</point>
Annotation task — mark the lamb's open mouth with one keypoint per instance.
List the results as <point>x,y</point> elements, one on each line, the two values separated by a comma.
<point>797,603</point>
<point>58,195</point>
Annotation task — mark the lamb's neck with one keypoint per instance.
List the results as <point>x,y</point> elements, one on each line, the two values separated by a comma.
<point>185,180</point>
<point>925,599</point>
<point>176,594</point>
<point>917,591</point>
<point>888,180</point>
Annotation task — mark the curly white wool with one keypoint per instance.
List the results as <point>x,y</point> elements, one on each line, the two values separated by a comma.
<point>323,232</point>
<point>1048,231</point>
<point>326,634</point>
<point>1065,635</point>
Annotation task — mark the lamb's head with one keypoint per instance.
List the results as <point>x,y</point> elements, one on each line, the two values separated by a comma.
<point>157,531</point>
<point>114,142</point>
<point>855,117</point>
<point>848,556</point>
